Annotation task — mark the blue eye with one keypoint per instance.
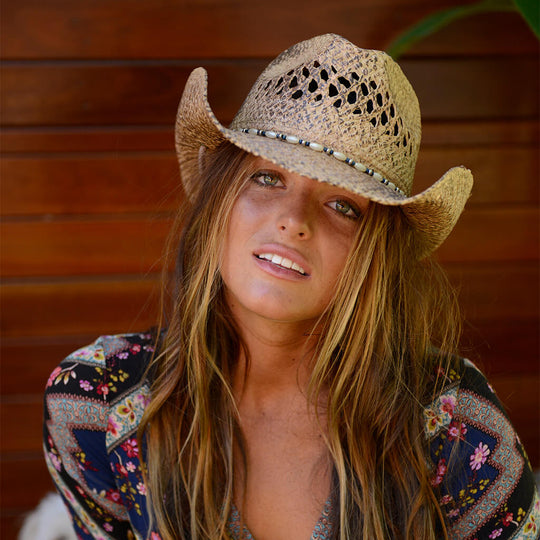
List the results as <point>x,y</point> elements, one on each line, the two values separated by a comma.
<point>266,179</point>
<point>345,208</point>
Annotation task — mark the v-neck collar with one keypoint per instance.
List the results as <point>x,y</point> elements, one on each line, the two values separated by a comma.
<point>322,530</point>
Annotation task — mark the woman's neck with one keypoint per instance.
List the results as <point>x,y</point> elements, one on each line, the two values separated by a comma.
<point>280,357</point>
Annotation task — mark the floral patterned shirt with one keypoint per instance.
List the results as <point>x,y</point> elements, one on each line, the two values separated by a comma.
<point>95,399</point>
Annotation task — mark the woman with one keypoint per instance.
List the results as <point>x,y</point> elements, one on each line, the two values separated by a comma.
<point>306,383</point>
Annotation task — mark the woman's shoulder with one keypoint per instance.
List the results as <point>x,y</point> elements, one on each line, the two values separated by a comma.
<point>480,467</point>
<point>111,362</point>
<point>105,382</point>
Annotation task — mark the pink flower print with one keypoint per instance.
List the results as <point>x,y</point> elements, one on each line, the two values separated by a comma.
<point>55,460</point>
<point>113,426</point>
<point>135,348</point>
<point>130,466</point>
<point>507,519</point>
<point>479,457</point>
<point>141,488</point>
<point>456,430</point>
<point>113,495</point>
<point>453,513</point>
<point>53,376</point>
<point>155,536</point>
<point>122,355</point>
<point>441,471</point>
<point>448,403</point>
<point>130,447</point>
<point>143,399</point>
<point>103,389</point>
<point>85,385</point>
<point>108,527</point>
<point>446,499</point>
<point>496,533</point>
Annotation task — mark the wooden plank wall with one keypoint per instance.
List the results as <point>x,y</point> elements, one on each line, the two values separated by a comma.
<point>89,181</point>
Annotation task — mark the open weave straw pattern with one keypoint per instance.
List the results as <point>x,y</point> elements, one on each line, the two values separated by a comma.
<point>358,103</point>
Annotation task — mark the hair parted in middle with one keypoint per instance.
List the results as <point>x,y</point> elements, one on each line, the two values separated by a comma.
<point>375,349</point>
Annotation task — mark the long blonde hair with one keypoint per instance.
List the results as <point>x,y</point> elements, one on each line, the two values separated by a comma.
<point>390,317</point>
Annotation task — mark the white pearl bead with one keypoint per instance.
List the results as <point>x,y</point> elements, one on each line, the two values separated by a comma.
<point>291,139</point>
<point>340,156</point>
<point>271,134</point>
<point>378,176</point>
<point>316,146</point>
<point>252,131</point>
<point>391,185</point>
<point>360,167</point>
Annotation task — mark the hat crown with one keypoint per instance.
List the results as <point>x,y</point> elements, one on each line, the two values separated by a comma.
<point>355,101</point>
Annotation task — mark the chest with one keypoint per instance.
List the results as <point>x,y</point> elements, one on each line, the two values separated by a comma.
<point>289,476</point>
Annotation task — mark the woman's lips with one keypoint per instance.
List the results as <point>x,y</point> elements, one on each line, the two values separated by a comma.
<point>283,260</point>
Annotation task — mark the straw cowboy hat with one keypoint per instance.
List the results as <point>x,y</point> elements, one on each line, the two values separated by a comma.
<point>331,111</point>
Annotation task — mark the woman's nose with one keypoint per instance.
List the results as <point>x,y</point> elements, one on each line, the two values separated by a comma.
<point>296,216</point>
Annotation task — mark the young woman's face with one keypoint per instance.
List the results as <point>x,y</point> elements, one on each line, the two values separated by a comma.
<point>286,245</point>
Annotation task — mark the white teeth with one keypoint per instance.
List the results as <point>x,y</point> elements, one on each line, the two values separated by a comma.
<point>286,263</point>
<point>282,261</point>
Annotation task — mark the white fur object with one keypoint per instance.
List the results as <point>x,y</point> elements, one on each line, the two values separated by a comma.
<point>49,521</point>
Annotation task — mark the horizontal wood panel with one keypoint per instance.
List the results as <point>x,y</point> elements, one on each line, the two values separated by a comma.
<point>502,292</point>
<point>98,184</point>
<point>18,474</point>
<point>488,293</point>
<point>498,347</point>
<point>493,234</point>
<point>111,94</point>
<point>120,183</point>
<point>86,30</point>
<point>146,138</point>
<point>130,246</point>
<point>491,166</point>
<point>79,308</point>
<point>83,247</point>
<point>85,139</point>
<point>22,421</point>
<point>27,363</point>
<point>502,347</point>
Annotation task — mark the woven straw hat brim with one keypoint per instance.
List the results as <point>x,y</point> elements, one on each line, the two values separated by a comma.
<point>432,213</point>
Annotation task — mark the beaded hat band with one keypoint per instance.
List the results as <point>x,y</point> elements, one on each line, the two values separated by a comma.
<point>321,148</point>
<point>350,118</point>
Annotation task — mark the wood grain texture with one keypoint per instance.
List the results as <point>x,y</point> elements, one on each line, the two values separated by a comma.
<point>87,307</point>
<point>126,28</point>
<point>99,93</point>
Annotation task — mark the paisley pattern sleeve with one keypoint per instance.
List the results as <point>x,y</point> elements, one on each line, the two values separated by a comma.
<point>480,469</point>
<point>80,411</point>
